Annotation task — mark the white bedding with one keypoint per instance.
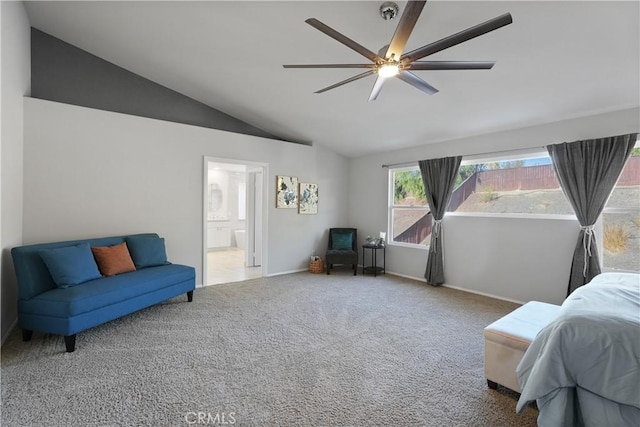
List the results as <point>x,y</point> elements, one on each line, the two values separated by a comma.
<point>584,367</point>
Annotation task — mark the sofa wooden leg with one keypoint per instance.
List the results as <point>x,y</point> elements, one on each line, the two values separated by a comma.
<point>26,335</point>
<point>492,385</point>
<point>355,269</point>
<point>190,296</point>
<point>70,342</point>
<point>328,269</point>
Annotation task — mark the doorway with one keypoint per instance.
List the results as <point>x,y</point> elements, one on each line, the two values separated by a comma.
<point>234,220</point>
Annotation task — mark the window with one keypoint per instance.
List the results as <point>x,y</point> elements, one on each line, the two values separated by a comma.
<point>409,217</point>
<point>498,185</point>
<point>621,220</point>
<point>516,185</point>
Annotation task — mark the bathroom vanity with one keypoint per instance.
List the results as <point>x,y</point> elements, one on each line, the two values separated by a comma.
<point>218,234</point>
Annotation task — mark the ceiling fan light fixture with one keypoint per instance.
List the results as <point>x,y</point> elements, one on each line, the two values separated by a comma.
<point>388,70</point>
<point>390,61</point>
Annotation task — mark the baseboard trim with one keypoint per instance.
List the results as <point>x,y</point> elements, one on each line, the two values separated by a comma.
<point>418,279</point>
<point>11,328</point>
<point>458,288</point>
<point>282,273</point>
<point>484,294</point>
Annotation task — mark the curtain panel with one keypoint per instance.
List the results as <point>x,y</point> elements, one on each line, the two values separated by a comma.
<point>588,171</point>
<point>439,178</point>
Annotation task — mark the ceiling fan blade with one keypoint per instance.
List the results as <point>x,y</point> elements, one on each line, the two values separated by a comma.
<point>451,65</point>
<point>416,82</point>
<point>331,66</point>
<point>405,27</point>
<point>377,87</point>
<point>349,80</point>
<point>343,39</point>
<point>457,38</point>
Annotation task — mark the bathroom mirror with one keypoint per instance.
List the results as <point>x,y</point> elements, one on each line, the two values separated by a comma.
<point>215,197</point>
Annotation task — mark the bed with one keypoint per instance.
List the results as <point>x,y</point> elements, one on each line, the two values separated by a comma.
<point>583,369</point>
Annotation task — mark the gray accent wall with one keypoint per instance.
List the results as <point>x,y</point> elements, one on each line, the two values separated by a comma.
<point>65,73</point>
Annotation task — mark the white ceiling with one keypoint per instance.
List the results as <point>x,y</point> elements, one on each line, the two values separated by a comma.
<point>557,60</point>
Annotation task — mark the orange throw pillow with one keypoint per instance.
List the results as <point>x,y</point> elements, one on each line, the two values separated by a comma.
<point>113,260</point>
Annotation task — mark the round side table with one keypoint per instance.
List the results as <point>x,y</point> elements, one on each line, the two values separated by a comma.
<point>373,268</point>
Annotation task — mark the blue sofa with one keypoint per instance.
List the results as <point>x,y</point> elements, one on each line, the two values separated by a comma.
<point>45,307</point>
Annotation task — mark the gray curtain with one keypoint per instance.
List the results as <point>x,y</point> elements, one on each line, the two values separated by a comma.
<point>439,178</point>
<point>587,172</point>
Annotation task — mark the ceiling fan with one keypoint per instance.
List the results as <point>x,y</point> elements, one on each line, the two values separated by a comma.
<point>395,63</point>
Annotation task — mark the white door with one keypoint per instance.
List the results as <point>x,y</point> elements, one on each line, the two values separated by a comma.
<point>254,217</point>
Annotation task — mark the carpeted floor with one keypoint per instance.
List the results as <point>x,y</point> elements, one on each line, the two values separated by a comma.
<point>294,350</point>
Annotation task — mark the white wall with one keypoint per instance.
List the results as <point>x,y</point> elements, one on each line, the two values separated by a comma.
<point>519,259</point>
<point>488,255</point>
<point>96,173</point>
<point>16,79</point>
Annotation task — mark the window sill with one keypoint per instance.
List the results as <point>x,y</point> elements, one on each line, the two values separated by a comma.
<point>618,270</point>
<point>408,245</point>
<point>513,215</point>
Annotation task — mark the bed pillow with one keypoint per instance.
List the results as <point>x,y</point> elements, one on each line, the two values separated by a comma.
<point>342,241</point>
<point>70,265</point>
<point>147,251</point>
<point>114,259</point>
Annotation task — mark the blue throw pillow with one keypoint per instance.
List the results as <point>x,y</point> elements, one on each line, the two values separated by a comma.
<point>342,241</point>
<point>147,251</point>
<point>71,265</point>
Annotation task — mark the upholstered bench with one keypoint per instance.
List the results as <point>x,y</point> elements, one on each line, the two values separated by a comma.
<point>507,339</point>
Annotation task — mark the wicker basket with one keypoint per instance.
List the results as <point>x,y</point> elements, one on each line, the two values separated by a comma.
<point>316,266</point>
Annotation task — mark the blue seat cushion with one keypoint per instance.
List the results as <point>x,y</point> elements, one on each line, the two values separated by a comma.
<point>103,292</point>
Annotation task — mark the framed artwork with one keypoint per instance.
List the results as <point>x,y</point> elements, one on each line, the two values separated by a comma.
<point>308,198</point>
<point>286,192</point>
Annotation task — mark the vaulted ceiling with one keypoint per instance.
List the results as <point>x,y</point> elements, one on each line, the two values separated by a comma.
<point>557,60</point>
